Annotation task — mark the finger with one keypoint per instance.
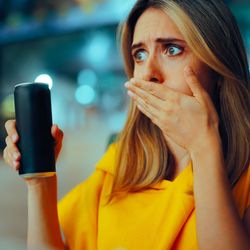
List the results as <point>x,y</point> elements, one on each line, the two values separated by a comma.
<point>15,163</point>
<point>161,91</point>
<point>150,111</point>
<point>149,114</point>
<point>56,132</point>
<point>14,157</point>
<point>155,111</point>
<point>60,136</point>
<point>194,84</point>
<point>10,126</point>
<point>54,129</point>
<point>135,93</point>
<point>8,158</point>
<point>12,148</point>
<point>8,141</point>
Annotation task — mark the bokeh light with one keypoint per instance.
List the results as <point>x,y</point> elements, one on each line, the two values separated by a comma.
<point>85,95</point>
<point>44,78</point>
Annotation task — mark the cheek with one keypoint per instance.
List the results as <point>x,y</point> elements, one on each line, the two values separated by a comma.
<point>136,72</point>
<point>141,72</point>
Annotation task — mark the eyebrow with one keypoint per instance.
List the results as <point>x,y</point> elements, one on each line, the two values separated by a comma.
<point>158,40</point>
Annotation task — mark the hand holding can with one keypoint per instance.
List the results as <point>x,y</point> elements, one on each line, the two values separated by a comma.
<point>33,124</point>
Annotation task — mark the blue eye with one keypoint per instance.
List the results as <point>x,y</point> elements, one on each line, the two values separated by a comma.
<point>173,50</point>
<point>140,55</point>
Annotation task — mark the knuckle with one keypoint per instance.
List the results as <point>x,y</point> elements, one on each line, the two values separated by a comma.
<point>7,124</point>
<point>138,84</point>
<point>7,140</point>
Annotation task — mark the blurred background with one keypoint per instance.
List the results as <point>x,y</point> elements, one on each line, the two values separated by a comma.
<point>71,45</point>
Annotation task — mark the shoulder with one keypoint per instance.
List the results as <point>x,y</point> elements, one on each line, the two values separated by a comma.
<point>92,186</point>
<point>85,191</point>
<point>108,161</point>
<point>79,207</point>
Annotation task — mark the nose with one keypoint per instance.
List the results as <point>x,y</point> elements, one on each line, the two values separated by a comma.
<point>152,71</point>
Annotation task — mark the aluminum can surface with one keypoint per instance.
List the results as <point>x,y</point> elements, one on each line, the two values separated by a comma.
<point>33,124</point>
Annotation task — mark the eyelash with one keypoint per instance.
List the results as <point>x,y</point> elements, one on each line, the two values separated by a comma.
<point>166,48</point>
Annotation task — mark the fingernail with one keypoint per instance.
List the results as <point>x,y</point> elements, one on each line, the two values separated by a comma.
<point>14,137</point>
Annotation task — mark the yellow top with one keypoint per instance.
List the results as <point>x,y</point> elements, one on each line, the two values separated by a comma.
<point>161,218</point>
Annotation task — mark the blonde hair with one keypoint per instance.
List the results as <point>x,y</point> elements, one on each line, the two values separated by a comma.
<point>210,30</point>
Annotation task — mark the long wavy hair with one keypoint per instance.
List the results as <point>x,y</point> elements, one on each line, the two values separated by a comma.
<point>211,32</point>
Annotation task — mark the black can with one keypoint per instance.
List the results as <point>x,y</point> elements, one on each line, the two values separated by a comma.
<point>33,124</point>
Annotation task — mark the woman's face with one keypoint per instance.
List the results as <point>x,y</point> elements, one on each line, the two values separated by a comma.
<point>160,53</point>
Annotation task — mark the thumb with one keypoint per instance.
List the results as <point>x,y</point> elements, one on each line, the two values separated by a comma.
<point>54,130</point>
<point>57,133</point>
<point>194,83</point>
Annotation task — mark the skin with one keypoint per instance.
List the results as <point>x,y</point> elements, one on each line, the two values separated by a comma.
<point>161,64</point>
<point>175,92</point>
<point>166,62</point>
<point>11,153</point>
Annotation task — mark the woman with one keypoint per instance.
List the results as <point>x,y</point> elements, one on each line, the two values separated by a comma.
<point>178,176</point>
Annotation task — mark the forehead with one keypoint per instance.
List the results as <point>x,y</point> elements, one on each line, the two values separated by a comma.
<point>154,23</point>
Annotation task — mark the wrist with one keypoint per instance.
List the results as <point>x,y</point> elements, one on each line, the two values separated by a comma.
<point>34,183</point>
<point>210,142</point>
